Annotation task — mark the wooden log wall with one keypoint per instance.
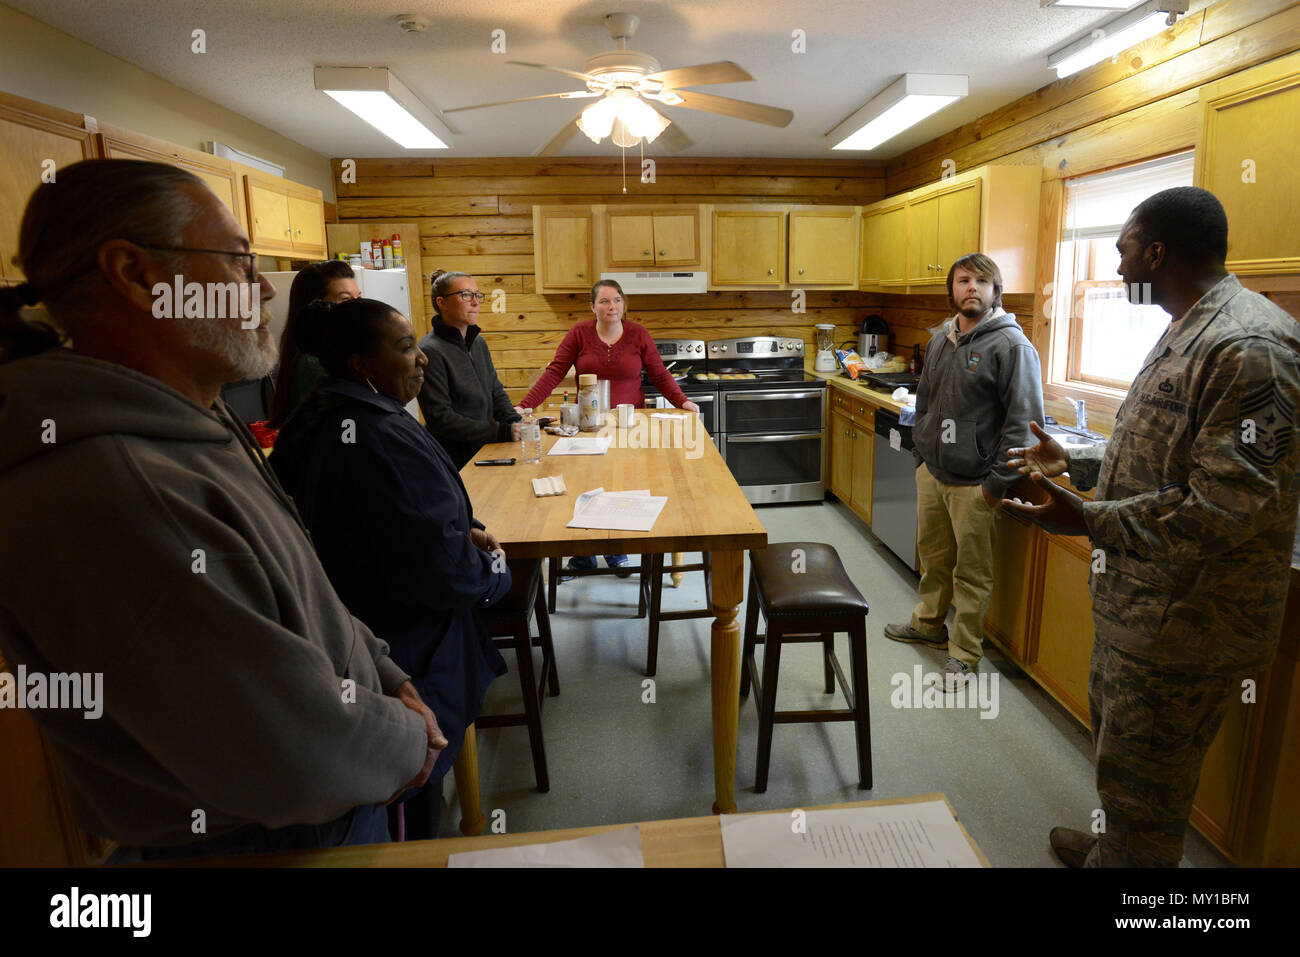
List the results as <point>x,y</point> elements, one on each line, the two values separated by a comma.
<point>1141,106</point>
<point>475,215</point>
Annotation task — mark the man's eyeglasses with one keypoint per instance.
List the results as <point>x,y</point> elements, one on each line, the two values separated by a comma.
<point>467,295</point>
<point>251,257</point>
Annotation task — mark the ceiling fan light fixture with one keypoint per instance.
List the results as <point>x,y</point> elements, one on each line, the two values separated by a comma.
<point>382,100</point>
<point>597,120</point>
<point>902,104</point>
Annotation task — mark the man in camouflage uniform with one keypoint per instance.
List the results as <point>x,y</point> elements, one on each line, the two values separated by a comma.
<point>1195,512</point>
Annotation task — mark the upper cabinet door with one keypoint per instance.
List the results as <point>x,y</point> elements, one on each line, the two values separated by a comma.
<point>959,226</point>
<point>748,248</point>
<point>823,247</point>
<point>268,217</point>
<point>307,220</point>
<point>631,239</point>
<point>677,238</point>
<point>1246,156</point>
<point>923,241</point>
<point>27,143</point>
<point>217,174</point>
<point>563,249</point>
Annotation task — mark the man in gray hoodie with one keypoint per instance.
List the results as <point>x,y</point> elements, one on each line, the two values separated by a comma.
<point>980,387</point>
<point>145,540</point>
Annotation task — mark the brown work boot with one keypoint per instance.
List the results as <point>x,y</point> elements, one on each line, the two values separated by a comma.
<point>1071,846</point>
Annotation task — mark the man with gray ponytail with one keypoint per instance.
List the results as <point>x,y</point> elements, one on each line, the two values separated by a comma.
<point>145,540</point>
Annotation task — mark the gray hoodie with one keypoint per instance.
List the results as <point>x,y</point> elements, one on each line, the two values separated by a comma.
<point>975,400</point>
<point>143,537</point>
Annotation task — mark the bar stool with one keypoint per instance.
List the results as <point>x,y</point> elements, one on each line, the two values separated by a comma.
<point>811,604</point>
<point>507,623</point>
<point>555,568</point>
<point>657,571</point>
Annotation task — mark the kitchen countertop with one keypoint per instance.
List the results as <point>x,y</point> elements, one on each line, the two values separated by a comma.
<point>858,390</point>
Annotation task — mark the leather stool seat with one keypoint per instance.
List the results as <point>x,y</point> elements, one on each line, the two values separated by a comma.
<point>822,587</point>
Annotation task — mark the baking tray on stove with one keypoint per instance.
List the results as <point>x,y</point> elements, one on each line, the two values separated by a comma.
<point>889,381</point>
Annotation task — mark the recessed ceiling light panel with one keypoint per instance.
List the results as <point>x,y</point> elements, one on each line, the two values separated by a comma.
<point>383,101</point>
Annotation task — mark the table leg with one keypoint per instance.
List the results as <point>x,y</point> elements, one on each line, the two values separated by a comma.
<point>677,576</point>
<point>724,659</point>
<point>465,769</point>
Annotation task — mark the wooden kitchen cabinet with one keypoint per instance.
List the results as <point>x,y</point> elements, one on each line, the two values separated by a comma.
<point>748,248</point>
<point>942,228</point>
<point>841,452</point>
<point>218,173</point>
<point>30,134</point>
<point>1249,125</point>
<point>1016,560</point>
<point>852,451</point>
<point>562,247</point>
<point>823,247</point>
<point>1059,657</point>
<point>884,248</point>
<point>640,238</point>
<point>284,218</point>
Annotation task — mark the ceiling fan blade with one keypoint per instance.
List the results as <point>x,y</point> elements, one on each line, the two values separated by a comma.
<point>740,109</point>
<point>561,139</point>
<point>673,139</point>
<point>724,71</point>
<point>574,95</point>
<point>554,69</point>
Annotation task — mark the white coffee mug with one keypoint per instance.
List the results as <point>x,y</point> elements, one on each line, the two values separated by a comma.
<point>625,413</point>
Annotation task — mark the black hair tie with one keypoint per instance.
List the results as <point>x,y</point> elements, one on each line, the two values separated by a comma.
<point>27,294</point>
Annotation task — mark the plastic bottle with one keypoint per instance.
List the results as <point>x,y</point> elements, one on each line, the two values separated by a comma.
<point>530,438</point>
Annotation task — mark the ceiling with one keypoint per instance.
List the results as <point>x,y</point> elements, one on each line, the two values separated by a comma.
<point>260,56</point>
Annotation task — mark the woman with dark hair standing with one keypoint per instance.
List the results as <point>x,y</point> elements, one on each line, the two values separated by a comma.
<point>391,520</point>
<point>612,348</point>
<point>465,405</point>
<point>332,281</point>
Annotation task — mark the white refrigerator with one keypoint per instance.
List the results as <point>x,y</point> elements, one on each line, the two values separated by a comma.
<point>387,285</point>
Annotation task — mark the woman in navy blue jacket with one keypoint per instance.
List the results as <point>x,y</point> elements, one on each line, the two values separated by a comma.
<point>391,521</point>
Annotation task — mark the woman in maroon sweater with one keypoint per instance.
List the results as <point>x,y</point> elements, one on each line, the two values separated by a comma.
<point>613,348</point>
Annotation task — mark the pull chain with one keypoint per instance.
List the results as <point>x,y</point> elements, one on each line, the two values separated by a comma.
<point>624,151</point>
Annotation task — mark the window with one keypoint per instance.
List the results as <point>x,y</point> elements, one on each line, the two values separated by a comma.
<point>1100,337</point>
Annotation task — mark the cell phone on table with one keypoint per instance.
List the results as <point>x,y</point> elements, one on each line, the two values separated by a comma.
<point>495,462</point>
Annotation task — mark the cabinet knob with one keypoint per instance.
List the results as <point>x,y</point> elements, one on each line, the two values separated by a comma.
<point>801,271</point>
<point>579,275</point>
<point>939,267</point>
<point>930,266</point>
<point>289,233</point>
<point>645,252</point>
<point>663,252</point>
<point>771,272</point>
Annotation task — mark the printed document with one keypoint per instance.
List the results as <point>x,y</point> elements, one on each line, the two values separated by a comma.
<point>623,511</point>
<point>620,848</point>
<point>891,835</point>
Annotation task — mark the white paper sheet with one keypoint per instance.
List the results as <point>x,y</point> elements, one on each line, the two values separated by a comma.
<point>892,835</point>
<point>580,445</point>
<point>635,511</point>
<point>895,440</point>
<point>620,848</point>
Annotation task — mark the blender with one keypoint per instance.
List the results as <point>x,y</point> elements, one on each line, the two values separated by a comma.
<point>825,361</point>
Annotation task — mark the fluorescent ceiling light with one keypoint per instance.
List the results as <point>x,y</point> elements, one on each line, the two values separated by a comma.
<point>1091,4</point>
<point>905,102</point>
<point>383,101</point>
<point>1115,36</point>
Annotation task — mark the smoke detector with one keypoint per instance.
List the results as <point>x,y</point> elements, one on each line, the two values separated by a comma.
<point>411,22</point>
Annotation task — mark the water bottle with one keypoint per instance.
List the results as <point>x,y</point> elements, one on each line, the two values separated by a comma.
<point>530,437</point>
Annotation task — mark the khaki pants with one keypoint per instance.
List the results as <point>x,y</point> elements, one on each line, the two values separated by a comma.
<point>954,538</point>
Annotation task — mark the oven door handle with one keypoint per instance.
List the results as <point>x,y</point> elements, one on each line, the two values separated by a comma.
<point>760,396</point>
<point>789,437</point>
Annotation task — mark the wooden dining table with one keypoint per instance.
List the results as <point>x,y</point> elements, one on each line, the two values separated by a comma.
<point>706,512</point>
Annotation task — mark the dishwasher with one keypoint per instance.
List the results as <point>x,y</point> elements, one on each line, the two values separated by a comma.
<point>893,498</point>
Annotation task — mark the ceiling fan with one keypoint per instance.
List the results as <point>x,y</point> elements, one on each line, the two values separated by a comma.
<point>624,80</point>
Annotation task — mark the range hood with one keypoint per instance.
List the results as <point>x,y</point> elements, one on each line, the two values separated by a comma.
<point>665,282</point>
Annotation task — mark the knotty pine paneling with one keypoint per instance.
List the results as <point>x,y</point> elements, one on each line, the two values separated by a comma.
<point>475,215</point>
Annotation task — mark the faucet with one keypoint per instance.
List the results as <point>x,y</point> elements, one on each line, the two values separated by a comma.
<point>1080,412</point>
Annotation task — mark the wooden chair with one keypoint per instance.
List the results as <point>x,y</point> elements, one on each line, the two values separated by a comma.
<point>507,623</point>
<point>811,604</point>
<point>657,571</point>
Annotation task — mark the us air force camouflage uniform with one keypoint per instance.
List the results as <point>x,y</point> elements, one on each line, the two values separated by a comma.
<point>1195,510</point>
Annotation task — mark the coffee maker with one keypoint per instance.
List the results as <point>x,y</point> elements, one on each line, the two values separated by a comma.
<point>874,336</point>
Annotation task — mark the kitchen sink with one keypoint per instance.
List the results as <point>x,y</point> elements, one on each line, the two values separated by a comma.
<point>1071,436</point>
